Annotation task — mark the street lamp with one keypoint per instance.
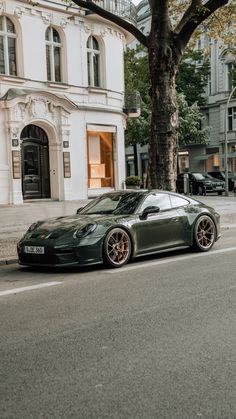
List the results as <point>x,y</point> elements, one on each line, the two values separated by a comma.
<point>226,143</point>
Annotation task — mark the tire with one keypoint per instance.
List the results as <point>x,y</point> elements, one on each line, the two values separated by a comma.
<point>220,193</point>
<point>117,248</point>
<point>204,234</point>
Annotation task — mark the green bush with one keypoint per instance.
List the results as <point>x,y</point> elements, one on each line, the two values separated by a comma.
<point>132,181</point>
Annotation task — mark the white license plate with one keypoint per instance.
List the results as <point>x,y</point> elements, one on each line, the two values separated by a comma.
<point>39,250</point>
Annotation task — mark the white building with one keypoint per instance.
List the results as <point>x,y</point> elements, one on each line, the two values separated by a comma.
<point>61,102</point>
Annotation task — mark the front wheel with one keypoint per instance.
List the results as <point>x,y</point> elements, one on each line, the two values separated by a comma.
<point>117,248</point>
<point>204,233</point>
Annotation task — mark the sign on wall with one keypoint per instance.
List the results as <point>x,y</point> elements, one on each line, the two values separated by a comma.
<point>16,164</point>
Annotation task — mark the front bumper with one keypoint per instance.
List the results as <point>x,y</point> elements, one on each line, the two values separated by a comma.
<point>61,256</point>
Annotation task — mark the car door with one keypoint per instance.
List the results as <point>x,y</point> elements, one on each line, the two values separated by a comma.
<point>160,230</point>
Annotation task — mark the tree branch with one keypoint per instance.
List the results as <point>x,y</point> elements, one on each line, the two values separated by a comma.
<point>191,20</point>
<point>89,5</point>
<point>193,7</point>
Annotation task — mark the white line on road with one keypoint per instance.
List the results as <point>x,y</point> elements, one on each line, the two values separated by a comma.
<point>29,288</point>
<point>169,260</point>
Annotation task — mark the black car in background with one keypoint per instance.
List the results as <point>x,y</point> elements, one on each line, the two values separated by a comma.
<point>200,184</point>
<point>220,175</point>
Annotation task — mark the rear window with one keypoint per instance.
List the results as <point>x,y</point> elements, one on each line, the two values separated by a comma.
<point>177,201</point>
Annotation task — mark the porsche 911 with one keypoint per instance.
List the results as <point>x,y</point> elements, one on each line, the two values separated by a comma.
<point>119,226</point>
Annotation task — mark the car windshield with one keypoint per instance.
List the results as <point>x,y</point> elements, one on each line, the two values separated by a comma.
<point>199,176</point>
<point>207,176</point>
<point>116,203</point>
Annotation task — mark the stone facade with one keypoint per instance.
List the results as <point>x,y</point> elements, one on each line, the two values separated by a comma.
<point>69,95</point>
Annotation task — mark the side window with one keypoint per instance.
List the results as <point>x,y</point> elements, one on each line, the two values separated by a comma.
<point>93,62</point>
<point>176,201</point>
<point>7,47</point>
<point>53,55</point>
<point>158,200</point>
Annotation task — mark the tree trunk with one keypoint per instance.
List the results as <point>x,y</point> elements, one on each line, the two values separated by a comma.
<point>163,145</point>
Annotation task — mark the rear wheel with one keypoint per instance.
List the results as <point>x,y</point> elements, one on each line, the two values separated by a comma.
<point>117,248</point>
<point>204,233</point>
<point>220,193</point>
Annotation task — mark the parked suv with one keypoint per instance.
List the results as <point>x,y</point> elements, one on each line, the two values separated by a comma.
<point>200,184</point>
<point>221,176</point>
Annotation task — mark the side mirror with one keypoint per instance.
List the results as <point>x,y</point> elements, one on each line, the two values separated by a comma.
<point>149,210</point>
<point>79,210</point>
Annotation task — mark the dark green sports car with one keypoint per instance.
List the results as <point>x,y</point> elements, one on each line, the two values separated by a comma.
<point>119,226</point>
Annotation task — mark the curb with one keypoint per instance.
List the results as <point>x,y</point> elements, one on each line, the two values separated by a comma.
<point>8,261</point>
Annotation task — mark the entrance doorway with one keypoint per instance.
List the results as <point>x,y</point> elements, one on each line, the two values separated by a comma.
<point>35,163</point>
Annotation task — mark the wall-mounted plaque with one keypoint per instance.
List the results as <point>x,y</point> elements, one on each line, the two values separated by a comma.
<point>16,164</point>
<point>66,164</point>
<point>15,142</point>
<point>65,144</point>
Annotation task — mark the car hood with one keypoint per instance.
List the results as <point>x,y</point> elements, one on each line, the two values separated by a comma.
<point>58,226</point>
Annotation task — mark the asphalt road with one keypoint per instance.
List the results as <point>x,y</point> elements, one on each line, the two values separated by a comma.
<point>155,339</point>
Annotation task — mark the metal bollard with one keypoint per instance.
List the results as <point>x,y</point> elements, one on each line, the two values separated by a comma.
<point>186,184</point>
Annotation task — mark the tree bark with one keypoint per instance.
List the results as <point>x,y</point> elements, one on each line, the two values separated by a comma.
<point>164,57</point>
<point>163,146</point>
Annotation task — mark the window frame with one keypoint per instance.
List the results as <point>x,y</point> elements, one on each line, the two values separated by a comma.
<point>5,35</point>
<point>91,52</point>
<point>52,45</point>
<point>232,118</point>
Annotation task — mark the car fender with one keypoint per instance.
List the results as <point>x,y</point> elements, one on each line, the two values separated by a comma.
<point>193,224</point>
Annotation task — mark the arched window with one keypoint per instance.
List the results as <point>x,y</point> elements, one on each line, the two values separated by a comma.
<point>53,55</point>
<point>93,61</point>
<point>7,47</point>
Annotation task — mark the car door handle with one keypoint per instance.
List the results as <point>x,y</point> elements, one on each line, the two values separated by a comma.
<point>175,219</point>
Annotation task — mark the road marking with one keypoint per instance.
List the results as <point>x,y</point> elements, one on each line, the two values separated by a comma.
<point>169,260</point>
<point>29,288</point>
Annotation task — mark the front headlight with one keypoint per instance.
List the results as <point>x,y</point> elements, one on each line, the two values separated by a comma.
<point>84,231</point>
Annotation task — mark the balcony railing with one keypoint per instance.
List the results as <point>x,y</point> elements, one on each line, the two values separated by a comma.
<point>122,8</point>
<point>132,106</point>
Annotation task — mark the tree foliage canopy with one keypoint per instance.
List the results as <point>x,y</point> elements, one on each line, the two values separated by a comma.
<point>173,24</point>
<point>191,83</point>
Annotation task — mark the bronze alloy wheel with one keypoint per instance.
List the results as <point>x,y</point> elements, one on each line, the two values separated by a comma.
<point>204,233</point>
<point>117,248</point>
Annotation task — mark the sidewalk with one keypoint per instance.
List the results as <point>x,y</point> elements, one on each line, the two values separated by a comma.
<point>15,219</point>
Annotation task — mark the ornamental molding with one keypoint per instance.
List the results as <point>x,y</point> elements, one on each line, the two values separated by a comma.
<point>38,107</point>
<point>25,110</point>
<point>103,32</point>
<point>63,23</point>
<point>14,132</point>
<point>88,29</point>
<point>114,33</point>
<point>19,11</point>
<point>2,6</point>
<point>47,18</point>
